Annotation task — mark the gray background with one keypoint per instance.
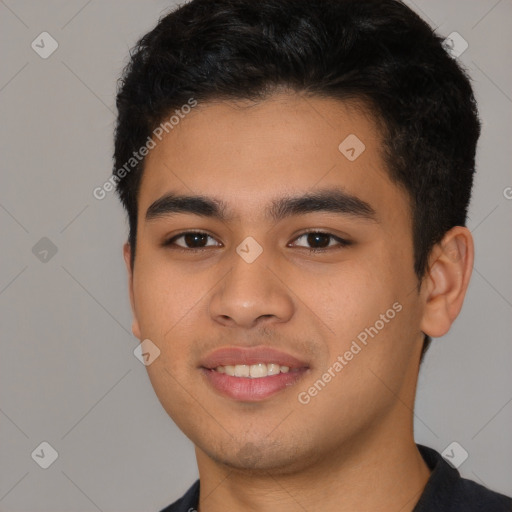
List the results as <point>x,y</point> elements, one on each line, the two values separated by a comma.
<point>68,375</point>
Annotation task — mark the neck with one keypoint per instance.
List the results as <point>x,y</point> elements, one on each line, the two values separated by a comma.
<point>380,470</point>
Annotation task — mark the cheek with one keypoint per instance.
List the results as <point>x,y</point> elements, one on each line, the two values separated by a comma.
<point>164,297</point>
<point>365,305</point>
<point>345,298</point>
<point>171,307</point>
<point>167,304</point>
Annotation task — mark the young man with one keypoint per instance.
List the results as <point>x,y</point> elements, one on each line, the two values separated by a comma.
<point>297,193</point>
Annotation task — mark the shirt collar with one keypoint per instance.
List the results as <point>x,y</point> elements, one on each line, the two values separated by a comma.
<point>441,483</point>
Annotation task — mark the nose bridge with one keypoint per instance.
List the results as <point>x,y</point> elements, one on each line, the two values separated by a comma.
<point>250,291</point>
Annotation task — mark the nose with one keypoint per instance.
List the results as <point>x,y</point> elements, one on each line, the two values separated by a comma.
<point>251,294</point>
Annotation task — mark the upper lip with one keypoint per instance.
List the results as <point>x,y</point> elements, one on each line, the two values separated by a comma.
<point>250,355</point>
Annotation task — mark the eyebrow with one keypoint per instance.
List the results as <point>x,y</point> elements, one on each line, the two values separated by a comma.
<point>328,200</point>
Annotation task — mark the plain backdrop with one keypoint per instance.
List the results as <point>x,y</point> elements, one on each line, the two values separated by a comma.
<point>68,375</point>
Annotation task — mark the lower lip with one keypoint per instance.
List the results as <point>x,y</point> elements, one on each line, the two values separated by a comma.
<point>252,390</point>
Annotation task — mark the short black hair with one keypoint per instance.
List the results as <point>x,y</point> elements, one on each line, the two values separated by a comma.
<point>377,52</point>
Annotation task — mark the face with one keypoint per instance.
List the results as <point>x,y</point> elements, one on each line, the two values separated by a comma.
<point>300,257</point>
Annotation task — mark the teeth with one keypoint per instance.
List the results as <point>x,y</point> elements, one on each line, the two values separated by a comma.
<point>258,370</point>
<point>254,371</point>
<point>242,370</point>
<point>272,369</point>
<point>229,370</point>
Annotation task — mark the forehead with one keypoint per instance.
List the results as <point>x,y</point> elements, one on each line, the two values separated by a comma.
<point>248,154</point>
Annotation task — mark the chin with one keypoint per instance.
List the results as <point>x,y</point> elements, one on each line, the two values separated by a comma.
<point>259,456</point>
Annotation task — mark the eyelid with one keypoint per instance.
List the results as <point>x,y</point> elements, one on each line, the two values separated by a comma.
<point>342,242</point>
<point>171,241</point>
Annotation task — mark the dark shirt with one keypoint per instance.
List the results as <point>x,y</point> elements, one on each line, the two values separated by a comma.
<point>446,491</point>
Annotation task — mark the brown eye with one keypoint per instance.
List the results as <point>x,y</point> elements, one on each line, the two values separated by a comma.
<point>319,240</point>
<point>191,240</point>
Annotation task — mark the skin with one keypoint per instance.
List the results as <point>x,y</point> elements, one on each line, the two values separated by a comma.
<point>351,447</point>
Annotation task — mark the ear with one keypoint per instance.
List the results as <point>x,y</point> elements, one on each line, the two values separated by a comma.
<point>135,323</point>
<point>444,287</point>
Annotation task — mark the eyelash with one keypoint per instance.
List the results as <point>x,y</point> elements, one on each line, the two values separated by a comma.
<point>341,242</point>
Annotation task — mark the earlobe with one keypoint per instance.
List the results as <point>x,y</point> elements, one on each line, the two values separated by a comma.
<point>445,285</point>
<point>127,259</point>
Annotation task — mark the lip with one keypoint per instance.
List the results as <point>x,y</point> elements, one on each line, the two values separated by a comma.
<point>248,389</point>
<point>250,355</point>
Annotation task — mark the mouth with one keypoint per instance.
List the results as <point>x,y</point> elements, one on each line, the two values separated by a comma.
<point>254,371</point>
<point>251,374</point>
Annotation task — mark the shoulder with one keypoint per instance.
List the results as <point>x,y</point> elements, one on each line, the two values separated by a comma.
<point>447,491</point>
<point>188,502</point>
<point>469,495</point>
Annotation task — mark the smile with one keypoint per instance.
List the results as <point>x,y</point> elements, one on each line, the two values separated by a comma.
<point>253,371</point>
<point>251,374</point>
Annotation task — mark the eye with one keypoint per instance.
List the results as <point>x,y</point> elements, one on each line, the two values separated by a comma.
<point>322,241</point>
<point>192,240</point>
<point>198,240</point>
